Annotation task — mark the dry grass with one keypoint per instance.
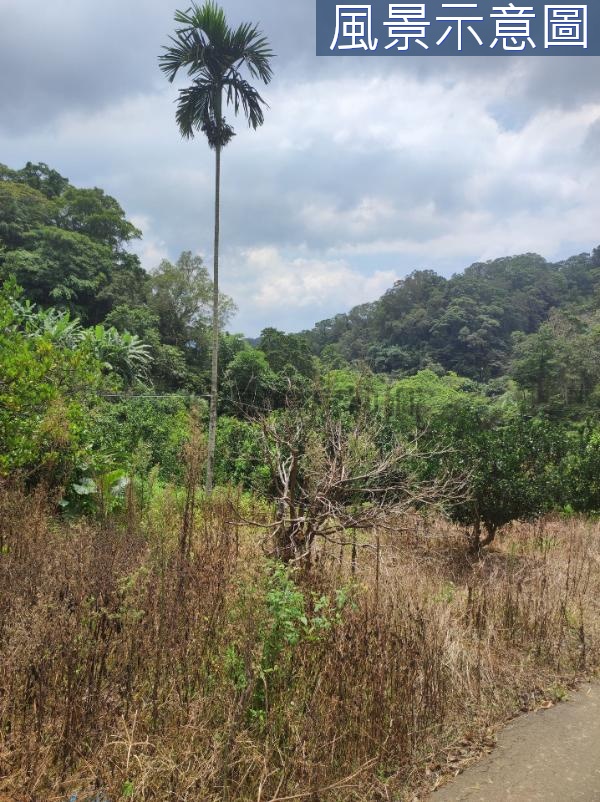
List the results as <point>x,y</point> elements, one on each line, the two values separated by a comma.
<point>130,671</point>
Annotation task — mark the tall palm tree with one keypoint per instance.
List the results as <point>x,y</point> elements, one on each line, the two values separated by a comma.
<point>215,56</point>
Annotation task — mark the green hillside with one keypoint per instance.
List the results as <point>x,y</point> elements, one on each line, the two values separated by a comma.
<point>473,323</point>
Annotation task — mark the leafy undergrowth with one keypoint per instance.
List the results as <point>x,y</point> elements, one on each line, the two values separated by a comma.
<point>133,671</point>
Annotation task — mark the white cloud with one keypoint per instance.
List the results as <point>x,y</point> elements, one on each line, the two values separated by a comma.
<point>278,290</point>
<point>151,249</point>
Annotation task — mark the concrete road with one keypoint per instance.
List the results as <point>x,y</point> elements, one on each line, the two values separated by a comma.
<point>547,756</point>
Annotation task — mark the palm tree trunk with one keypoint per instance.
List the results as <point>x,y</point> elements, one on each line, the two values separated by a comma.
<point>214,389</point>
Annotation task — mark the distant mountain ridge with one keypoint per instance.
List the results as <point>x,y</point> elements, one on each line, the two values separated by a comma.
<point>466,323</point>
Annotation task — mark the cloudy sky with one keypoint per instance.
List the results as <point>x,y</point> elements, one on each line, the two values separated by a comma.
<point>365,169</point>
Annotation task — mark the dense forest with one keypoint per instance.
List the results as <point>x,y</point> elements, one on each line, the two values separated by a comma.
<point>517,317</point>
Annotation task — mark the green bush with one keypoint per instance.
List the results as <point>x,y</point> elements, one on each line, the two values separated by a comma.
<point>240,455</point>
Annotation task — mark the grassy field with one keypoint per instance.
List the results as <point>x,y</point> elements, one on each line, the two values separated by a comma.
<point>164,656</point>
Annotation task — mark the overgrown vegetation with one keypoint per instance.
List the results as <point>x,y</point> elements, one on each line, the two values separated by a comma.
<point>341,612</point>
<point>130,673</point>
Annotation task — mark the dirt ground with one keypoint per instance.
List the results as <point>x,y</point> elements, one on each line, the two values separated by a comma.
<point>550,755</point>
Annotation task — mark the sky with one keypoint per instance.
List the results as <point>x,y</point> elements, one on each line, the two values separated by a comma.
<point>365,169</point>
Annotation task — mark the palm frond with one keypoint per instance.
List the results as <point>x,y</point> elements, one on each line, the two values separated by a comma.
<point>195,105</point>
<point>209,18</point>
<point>179,56</point>
<point>240,93</point>
<point>252,50</point>
<point>199,44</point>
